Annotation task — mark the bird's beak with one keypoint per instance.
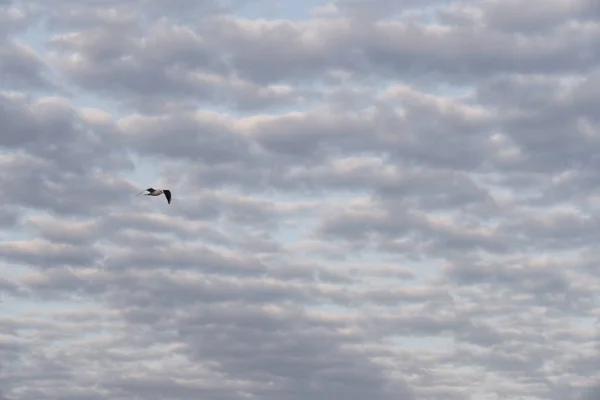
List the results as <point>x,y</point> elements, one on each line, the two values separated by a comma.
<point>140,193</point>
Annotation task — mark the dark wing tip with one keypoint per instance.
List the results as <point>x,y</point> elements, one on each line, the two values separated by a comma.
<point>167,193</point>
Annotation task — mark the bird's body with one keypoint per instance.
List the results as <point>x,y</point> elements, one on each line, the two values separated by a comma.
<point>158,192</point>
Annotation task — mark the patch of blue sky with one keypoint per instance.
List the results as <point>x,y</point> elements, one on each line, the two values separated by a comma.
<point>286,235</point>
<point>11,271</point>
<point>333,309</point>
<point>146,173</point>
<point>430,15</point>
<point>36,37</point>
<point>584,323</point>
<point>19,232</point>
<point>21,307</point>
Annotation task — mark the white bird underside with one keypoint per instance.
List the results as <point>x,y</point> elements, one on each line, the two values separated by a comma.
<point>157,192</point>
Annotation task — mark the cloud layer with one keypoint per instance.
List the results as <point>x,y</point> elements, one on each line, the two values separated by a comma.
<point>387,200</point>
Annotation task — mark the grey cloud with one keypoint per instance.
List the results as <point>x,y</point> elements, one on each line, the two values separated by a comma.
<point>9,217</point>
<point>293,152</point>
<point>151,227</point>
<point>63,231</point>
<point>384,200</point>
<point>43,254</point>
<point>591,394</point>
<point>377,9</point>
<point>544,280</point>
<point>168,59</point>
<point>280,51</point>
<point>13,19</point>
<point>20,68</point>
<point>512,16</point>
<point>424,235</point>
<point>563,229</point>
<point>180,257</point>
<point>252,347</point>
<point>319,350</point>
<point>429,188</point>
<point>213,140</point>
<point>414,50</point>
<point>50,128</point>
<point>55,157</point>
<point>8,286</point>
<point>563,114</point>
<point>38,188</point>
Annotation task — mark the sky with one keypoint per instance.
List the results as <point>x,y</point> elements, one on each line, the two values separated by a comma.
<point>388,200</point>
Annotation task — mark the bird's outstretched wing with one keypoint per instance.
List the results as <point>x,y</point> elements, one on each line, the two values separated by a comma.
<point>167,195</point>
<point>149,190</point>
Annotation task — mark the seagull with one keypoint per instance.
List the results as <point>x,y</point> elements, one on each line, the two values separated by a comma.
<point>157,192</point>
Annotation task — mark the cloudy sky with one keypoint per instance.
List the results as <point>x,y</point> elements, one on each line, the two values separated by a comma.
<point>388,200</point>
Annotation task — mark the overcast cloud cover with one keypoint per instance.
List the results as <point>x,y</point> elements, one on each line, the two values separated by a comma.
<point>388,200</point>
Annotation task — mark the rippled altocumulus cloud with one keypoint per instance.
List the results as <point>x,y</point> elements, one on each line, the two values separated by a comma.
<point>370,200</point>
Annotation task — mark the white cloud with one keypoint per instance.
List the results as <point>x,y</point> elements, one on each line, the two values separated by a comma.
<point>388,200</point>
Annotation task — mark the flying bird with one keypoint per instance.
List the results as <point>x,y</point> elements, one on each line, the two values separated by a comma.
<point>157,192</point>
